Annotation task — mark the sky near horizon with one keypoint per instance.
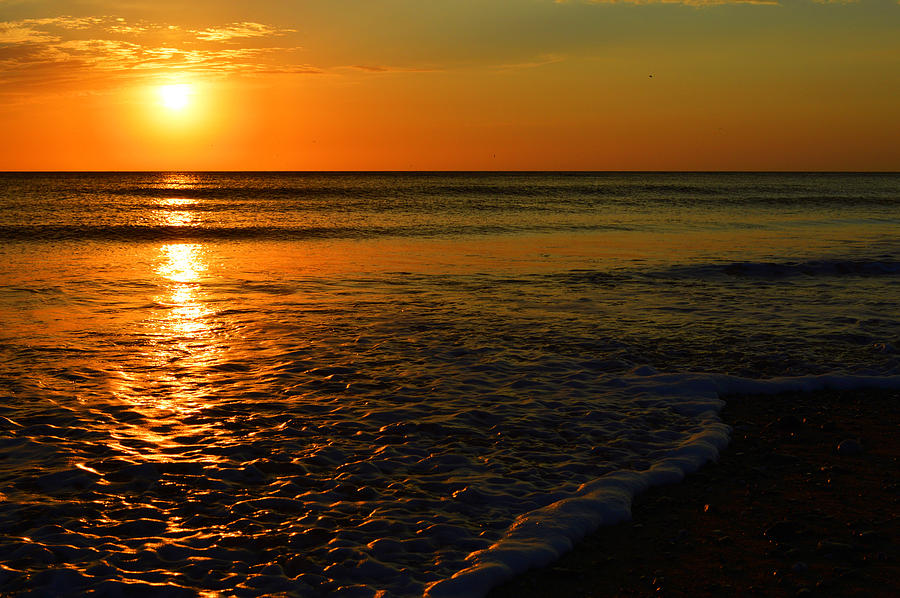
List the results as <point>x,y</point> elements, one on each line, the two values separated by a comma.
<point>449,85</point>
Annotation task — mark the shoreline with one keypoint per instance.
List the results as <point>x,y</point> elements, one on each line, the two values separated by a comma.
<point>782,512</point>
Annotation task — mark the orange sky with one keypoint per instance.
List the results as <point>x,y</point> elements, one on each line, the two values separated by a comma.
<point>450,85</point>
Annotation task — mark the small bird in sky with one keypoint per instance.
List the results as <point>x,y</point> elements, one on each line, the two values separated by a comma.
<point>651,76</point>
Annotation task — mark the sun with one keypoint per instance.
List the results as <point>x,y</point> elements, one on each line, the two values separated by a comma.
<point>176,97</point>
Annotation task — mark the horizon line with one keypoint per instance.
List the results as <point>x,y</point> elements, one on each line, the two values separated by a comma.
<point>449,171</point>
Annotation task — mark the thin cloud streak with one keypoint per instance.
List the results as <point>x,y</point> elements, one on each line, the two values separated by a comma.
<point>692,3</point>
<point>238,31</point>
<point>382,68</point>
<point>538,62</point>
<point>41,63</point>
<point>28,31</point>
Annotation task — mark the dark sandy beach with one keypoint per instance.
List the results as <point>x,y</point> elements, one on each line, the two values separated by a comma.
<point>783,513</point>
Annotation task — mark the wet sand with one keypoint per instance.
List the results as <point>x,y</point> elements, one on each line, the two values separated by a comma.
<point>783,513</point>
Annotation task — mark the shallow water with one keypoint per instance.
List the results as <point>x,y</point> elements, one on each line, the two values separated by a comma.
<point>343,384</point>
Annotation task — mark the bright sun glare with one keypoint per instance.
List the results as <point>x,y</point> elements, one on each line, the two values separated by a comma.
<point>175,97</point>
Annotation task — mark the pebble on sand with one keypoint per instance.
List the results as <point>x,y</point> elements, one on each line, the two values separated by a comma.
<point>849,447</point>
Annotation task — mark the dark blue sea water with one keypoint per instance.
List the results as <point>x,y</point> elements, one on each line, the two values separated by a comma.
<point>346,384</point>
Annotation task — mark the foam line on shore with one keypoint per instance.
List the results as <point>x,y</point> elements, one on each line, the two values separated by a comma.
<point>541,536</point>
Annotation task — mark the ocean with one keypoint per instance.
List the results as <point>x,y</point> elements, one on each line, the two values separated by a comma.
<point>397,384</point>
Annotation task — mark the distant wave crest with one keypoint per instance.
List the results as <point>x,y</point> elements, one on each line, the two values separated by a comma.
<point>114,232</point>
<point>883,266</point>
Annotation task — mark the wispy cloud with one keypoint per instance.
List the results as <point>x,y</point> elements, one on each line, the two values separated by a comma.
<point>17,33</point>
<point>63,49</point>
<point>238,31</point>
<point>65,22</point>
<point>383,68</point>
<point>122,28</point>
<point>88,52</point>
<point>30,31</point>
<point>539,61</point>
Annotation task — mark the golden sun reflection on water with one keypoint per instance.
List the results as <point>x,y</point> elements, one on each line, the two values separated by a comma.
<point>171,215</point>
<point>181,269</point>
<point>176,211</point>
<point>181,263</point>
<point>173,378</point>
<point>178,180</point>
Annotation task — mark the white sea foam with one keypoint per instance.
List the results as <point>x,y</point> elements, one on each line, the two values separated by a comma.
<point>543,535</point>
